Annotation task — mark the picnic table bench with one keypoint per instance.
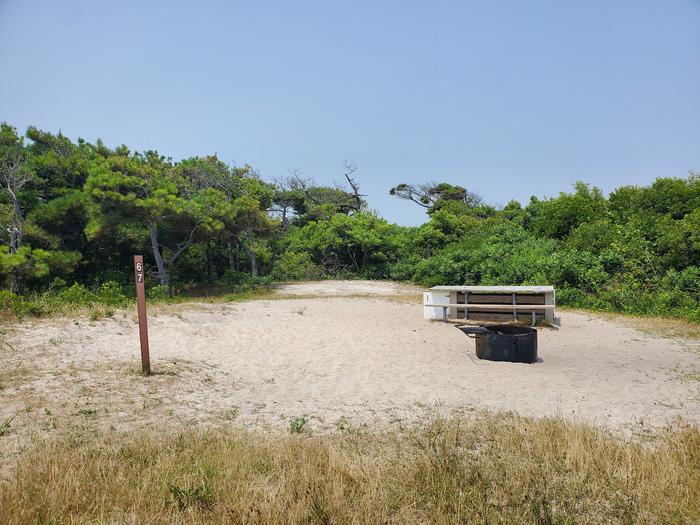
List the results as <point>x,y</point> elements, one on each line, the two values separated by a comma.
<point>490,303</point>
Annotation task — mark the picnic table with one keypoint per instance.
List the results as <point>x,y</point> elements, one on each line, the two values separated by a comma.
<point>491,303</point>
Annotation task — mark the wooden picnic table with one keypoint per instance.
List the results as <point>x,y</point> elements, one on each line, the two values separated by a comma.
<point>491,303</point>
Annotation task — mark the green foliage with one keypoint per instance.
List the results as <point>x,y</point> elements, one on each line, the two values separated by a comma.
<point>296,425</point>
<point>296,266</point>
<point>35,265</point>
<point>111,293</point>
<point>77,295</point>
<point>361,243</point>
<point>558,217</point>
<point>640,259</point>
<point>157,291</point>
<point>242,282</point>
<point>79,212</point>
<point>57,299</point>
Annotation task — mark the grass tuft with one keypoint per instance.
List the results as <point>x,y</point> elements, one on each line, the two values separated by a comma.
<point>296,425</point>
<point>5,425</point>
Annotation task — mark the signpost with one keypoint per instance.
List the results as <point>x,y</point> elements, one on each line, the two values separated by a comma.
<point>141,309</point>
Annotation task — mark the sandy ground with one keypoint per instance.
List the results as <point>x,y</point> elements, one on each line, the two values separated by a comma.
<point>348,288</point>
<point>348,354</point>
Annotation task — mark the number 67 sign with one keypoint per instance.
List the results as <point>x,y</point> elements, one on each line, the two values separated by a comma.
<point>141,309</point>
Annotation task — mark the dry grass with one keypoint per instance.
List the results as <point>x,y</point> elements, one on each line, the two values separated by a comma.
<point>662,326</point>
<point>493,469</point>
<point>12,371</point>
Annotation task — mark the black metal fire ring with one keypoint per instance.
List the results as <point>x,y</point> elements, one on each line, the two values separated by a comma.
<point>503,342</point>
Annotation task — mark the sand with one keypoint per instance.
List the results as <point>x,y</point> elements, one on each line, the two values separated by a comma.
<point>348,354</point>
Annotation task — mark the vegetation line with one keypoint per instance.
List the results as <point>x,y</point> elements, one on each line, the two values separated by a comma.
<point>73,214</point>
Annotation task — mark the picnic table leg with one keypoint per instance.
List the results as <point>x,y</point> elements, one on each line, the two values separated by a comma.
<point>549,313</point>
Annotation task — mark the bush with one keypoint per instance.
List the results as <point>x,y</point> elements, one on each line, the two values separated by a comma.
<point>8,300</point>
<point>296,266</point>
<point>159,291</point>
<point>77,295</point>
<point>234,278</point>
<point>403,270</point>
<point>21,306</point>
<point>111,293</point>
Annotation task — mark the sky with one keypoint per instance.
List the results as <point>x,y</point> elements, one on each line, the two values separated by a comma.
<point>507,98</point>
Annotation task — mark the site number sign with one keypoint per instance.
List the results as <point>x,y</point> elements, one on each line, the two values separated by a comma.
<point>141,310</point>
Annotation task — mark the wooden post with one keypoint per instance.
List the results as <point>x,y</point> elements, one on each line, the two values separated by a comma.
<point>141,309</point>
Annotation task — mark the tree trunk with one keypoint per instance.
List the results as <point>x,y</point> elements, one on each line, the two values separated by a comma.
<point>229,251</point>
<point>160,263</point>
<point>209,279</point>
<point>16,228</point>
<point>251,255</point>
<point>16,231</point>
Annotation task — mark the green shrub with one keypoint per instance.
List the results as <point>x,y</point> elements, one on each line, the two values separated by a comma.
<point>233,278</point>
<point>403,270</point>
<point>8,300</point>
<point>22,306</point>
<point>296,266</point>
<point>111,293</point>
<point>158,291</point>
<point>58,283</point>
<point>77,295</point>
<point>296,425</point>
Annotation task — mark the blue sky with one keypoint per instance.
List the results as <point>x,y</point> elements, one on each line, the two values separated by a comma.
<point>508,98</point>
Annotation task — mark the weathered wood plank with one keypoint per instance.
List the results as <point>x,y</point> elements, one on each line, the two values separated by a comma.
<point>475,298</point>
<point>494,307</point>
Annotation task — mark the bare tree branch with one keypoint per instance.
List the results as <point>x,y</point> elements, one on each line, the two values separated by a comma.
<point>350,168</point>
<point>14,175</point>
<point>300,182</point>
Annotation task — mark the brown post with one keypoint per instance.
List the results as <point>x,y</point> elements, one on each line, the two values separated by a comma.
<point>141,309</point>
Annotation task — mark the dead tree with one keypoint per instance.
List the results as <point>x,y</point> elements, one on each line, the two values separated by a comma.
<point>14,175</point>
<point>350,169</point>
<point>343,199</point>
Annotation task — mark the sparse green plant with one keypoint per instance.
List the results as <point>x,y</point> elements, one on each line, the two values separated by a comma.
<point>199,496</point>
<point>49,424</point>
<point>296,424</point>
<point>342,424</point>
<point>5,425</point>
